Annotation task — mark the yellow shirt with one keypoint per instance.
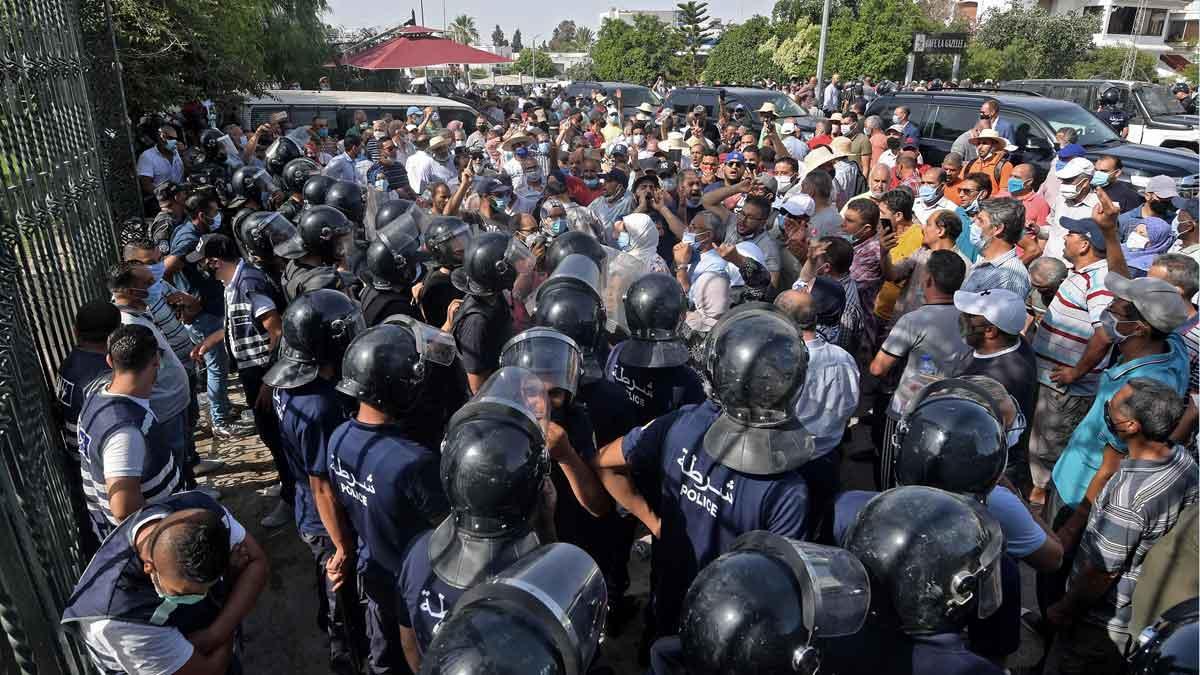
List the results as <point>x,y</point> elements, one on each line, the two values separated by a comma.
<point>610,132</point>
<point>910,240</point>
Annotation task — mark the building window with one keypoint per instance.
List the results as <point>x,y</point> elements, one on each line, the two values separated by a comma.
<point>1183,30</point>
<point>1155,22</point>
<point>1122,21</point>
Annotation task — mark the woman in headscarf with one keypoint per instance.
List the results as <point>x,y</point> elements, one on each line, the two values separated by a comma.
<point>1146,241</point>
<point>638,236</point>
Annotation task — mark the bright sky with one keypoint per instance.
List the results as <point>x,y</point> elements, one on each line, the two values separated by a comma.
<point>533,18</point>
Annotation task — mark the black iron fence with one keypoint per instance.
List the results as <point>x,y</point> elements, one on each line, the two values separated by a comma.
<point>56,238</point>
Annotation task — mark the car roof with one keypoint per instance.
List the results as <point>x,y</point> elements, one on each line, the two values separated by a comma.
<point>349,99</point>
<point>1026,101</point>
<point>1094,80</point>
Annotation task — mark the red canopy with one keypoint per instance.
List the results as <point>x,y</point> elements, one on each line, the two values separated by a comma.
<point>414,47</point>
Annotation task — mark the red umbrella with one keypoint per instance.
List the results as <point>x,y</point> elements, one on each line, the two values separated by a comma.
<point>414,47</point>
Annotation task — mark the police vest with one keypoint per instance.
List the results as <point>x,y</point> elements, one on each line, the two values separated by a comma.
<point>300,278</point>
<point>246,340</point>
<point>496,314</point>
<point>114,586</point>
<point>100,418</point>
<point>1116,118</point>
<point>77,372</point>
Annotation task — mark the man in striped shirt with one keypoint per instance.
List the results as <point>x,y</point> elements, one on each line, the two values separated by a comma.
<point>1070,351</point>
<point>1001,224</point>
<point>394,174</point>
<point>1137,507</point>
<point>1183,273</point>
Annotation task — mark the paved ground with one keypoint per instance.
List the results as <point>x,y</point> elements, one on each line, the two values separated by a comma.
<point>281,635</point>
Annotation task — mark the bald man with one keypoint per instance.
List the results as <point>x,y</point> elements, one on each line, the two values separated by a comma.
<point>168,589</point>
<point>879,181</point>
<point>1045,276</point>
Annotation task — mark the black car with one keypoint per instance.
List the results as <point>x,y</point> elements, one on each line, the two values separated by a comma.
<point>632,95</point>
<point>683,99</point>
<point>943,116</point>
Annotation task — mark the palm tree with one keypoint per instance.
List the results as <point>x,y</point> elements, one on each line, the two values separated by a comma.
<point>463,30</point>
<point>583,38</point>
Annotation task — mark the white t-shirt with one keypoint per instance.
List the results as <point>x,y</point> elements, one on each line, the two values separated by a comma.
<point>159,169</point>
<point>1061,209</point>
<point>124,451</point>
<point>141,649</point>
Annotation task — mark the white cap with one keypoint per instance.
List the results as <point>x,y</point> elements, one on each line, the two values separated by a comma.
<point>1163,187</point>
<point>787,128</point>
<point>1075,167</point>
<point>1001,307</point>
<point>799,205</point>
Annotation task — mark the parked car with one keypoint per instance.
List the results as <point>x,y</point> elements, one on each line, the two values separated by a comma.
<point>339,106</point>
<point>632,95</point>
<point>1155,117</point>
<point>943,116</point>
<point>683,99</point>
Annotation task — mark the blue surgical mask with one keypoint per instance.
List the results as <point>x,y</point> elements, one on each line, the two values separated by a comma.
<point>158,269</point>
<point>623,240</point>
<point>323,132</point>
<point>927,193</point>
<point>172,144</point>
<point>895,119</point>
<point>216,223</point>
<point>689,238</point>
<point>500,203</point>
<point>1100,178</point>
<point>559,225</point>
<point>1109,321</point>
<point>1015,185</point>
<point>977,238</point>
<point>544,147</point>
<point>591,183</point>
<point>973,207</point>
<point>693,203</point>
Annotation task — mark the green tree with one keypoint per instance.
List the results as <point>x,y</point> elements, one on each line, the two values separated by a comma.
<point>737,58</point>
<point>1109,62</point>
<point>498,38</point>
<point>878,47</point>
<point>695,27</point>
<point>563,36</point>
<point>787,12</point>
<point>299,48</point>
<point>462,29</point>
<point>1014,61</point>
<point>528,59</point>
<point>636,52</point>
<point>1056,42</point>
<point>796,55</point>
<point>581,71</point>
<point>584,37</point>
<point>516,41</point>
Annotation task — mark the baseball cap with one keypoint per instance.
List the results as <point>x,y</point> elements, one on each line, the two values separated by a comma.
<point>1190,205</point>
<point>486,185</point>
<point>619,150</point>
<point>787,128</point>
<point>214,245</point>
<point>1085,227</point>
<point>734,156</point>
<point>898,128</point>
<point>617,176</point>
<point>1076,167</point>
<point>1071,151</point>
<point>799,205</point>
<point>700,109</point>
<point>1001,307</point>
<point>1162,186</point>
<point>1156,300</point>
<point>412,110</point>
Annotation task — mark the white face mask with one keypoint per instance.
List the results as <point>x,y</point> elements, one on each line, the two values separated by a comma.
<point>1136,241</point>
<point>1069,191</point>
<point>783,183</point>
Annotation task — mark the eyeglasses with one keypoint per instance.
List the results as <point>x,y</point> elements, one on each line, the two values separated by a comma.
<point>743,218</point>
<point>969,191</point>
<point>733,165</point>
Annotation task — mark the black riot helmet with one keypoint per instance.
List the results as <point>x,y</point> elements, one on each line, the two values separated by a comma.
<point>951,438</point>
<point>574,241</point>
<point>547,353</point>
<point>1180,87</point>
<point>346,197</point>
<point>654,308</point>
<point>210,143</point>
<point>390,211</point>
<point>935,85</point>
<point>755,361</point>
<point>757,608</point>
<point>393,259</point>
<point>321,228</point>
<point>268,234</point>
<point>446,239</point>
<point>297,172</point>
<point>491,263</point>
<point>933,558</point>
<point>1171,645</point>
<point>317,328</point>
<point>315,188</point>
<point>544,614</point>
<point>251,182</point>
<point>382,368</point>
<point>1110,96</point>
<point>569,301</point>
<point>282,151</point>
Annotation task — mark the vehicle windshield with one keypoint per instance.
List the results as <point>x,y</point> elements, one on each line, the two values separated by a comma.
<point>1158,100</point>
<point>632,96</point>
<point>784,106</point>
<point>1091,130</point>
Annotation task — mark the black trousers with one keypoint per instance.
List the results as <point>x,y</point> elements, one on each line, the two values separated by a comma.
<point>268,428</point>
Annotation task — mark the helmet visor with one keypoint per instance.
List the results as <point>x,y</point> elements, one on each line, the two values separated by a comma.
<point>580,267</point>
<point>433,345</point>
<point>282,235</point>
<point>619,274</point>
<point>987,578</point>
<point>549,354</point>
<point>519,391</point>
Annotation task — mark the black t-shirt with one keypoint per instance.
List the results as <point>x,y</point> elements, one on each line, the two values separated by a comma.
<point>1125,195</point>
<point>1016,370</point>
<point>481,327</point>
<point>378,305</point>
<point>436,295</point>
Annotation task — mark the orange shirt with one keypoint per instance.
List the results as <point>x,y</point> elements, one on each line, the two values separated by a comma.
<point>988,166</point>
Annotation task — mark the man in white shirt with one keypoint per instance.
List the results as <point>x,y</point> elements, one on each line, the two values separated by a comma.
<point>434,164</point>
<point>830,101</point>
<point>162,162</point>
<point>1075,200</point>
<point>791,140</point>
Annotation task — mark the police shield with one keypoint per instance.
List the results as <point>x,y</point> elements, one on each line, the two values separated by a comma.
<point>375,199</point>
<point>511,393</point>
<point>549,610</point>
<point>282,235</point>
<point>548,354</point>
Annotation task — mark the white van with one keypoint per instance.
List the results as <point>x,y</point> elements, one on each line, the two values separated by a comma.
<point>338,107</point>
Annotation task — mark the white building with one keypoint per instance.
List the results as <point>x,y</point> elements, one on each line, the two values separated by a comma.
<point>667,16</point>
<point>1166,29</point>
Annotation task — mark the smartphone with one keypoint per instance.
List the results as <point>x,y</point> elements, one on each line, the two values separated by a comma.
<point>885,225</point>
<point>675,156</point>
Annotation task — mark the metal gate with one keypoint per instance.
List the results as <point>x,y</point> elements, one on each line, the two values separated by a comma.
<point>56,237</point>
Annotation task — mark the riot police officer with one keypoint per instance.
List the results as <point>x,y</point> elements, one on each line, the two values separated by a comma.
<point>269,241</point>
<point>1112,113</point>
<point>282,151</point>
<point>346,197</point>
<point>492,469</point>
<point>393,210</point>
<point>446,239</point>
<point>726,466</point>
<point>652,364</point>
<point>314,190</point>
<point>571,242</point>
<point>295,176</point>
<point>570,300</point>
<point>483,323</point>
<point>386,483</point>
<point>1170,645</point>
<point>1186,97</point>
<point>543,615</point>
<point>317,329</point>
<point>251,189</point>
<point>393,262</point>
<point>324,234</point>
<point>444,389</point>
<point>759,607</point>
<point>933,559</point>
<point>213,169</point>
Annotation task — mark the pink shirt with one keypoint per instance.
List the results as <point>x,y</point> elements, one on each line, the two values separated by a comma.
<point>1036,208</point>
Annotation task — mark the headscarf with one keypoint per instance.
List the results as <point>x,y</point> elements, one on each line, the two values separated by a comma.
<point>643,237</point>
<point>1158,232</point>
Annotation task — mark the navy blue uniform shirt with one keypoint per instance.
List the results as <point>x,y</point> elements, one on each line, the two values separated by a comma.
<point>704,505</point>
<point>423,599</point>
<point>308,416</point>
<point>654,392</point>
<point>78,370</point>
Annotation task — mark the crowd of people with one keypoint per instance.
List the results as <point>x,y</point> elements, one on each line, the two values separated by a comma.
<point>487,360</point>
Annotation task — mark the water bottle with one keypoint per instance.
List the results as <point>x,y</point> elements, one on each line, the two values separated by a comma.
<point>381,182</point>
<point>926,367</point>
